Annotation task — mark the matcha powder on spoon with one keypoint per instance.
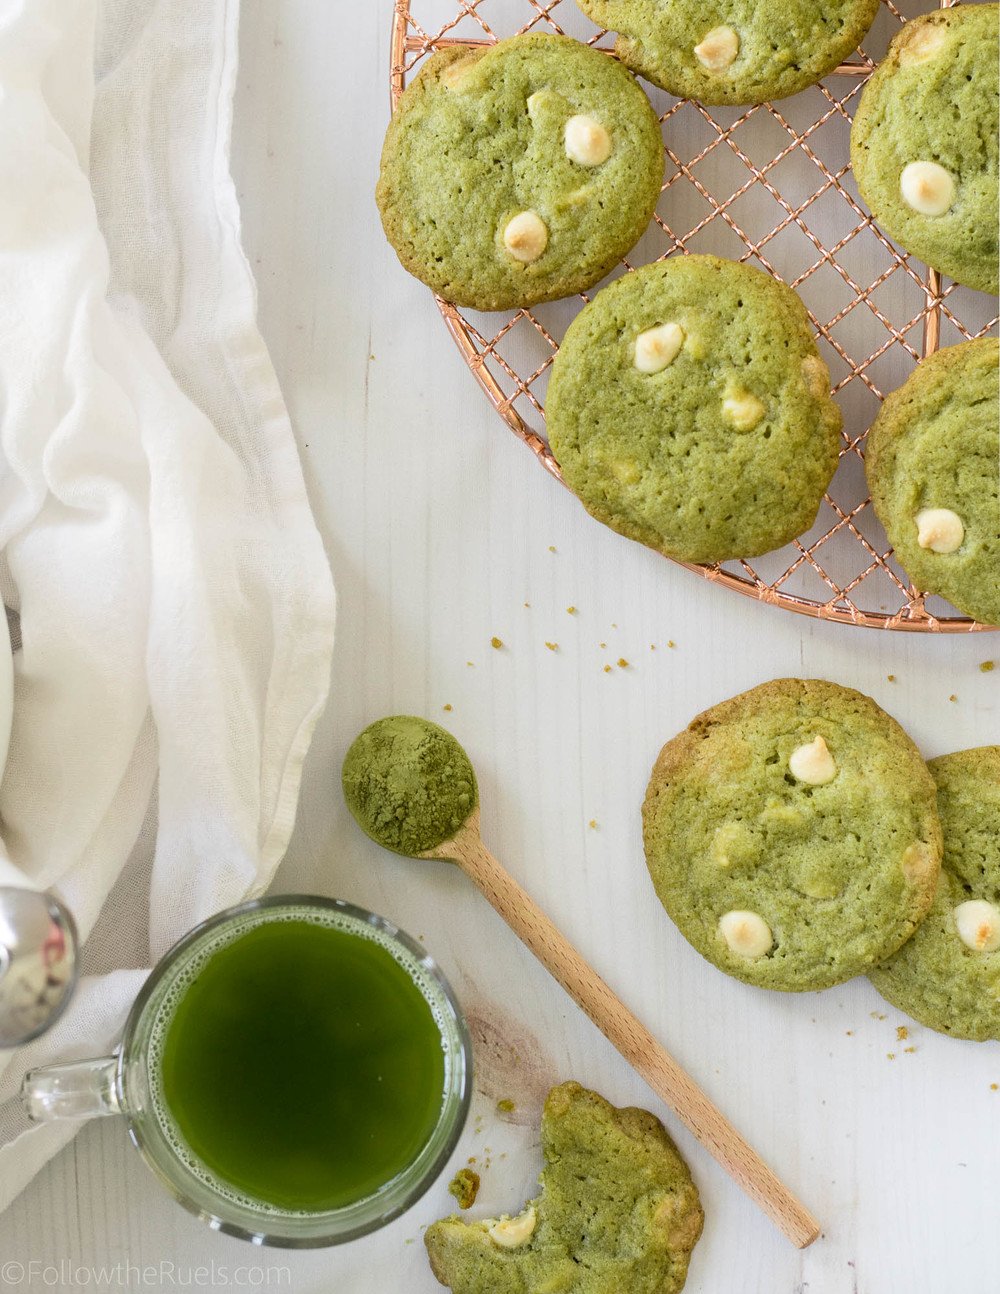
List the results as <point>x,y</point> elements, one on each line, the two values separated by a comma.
<point>408,783</point>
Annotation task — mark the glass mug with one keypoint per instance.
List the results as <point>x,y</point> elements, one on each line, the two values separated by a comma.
<point>136,1082</point>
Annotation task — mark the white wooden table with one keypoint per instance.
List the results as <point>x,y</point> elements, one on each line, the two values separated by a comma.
<point>440,529</point>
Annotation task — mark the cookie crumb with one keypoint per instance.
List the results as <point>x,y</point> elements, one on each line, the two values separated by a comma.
<point>622,663</point>
<point>471,664</point>
<point>850,1033</point>
<point>891,678</point>
<point>447,706</point>
<point>571,611</point>
<point>953,697</point>
<point>464,1187</point>
<point>506,1106</point>
<point>652,646</point>
<point>552,646</point>
<point>902,1032</point>
<point>496,643</point>
<point>552,548</point>
<point>995,1087</point>
<point>607,669</point>
<point>877,1015</point>
<point>988,666</point>
<point>592,824</point>
<point>890,1055</point>
<point>909,1050</point>
<point>671,643</point>
<point>527,604</point>
<point>602,646</point>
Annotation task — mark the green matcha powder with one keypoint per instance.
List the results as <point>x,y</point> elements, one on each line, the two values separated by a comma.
<point>408,783</point>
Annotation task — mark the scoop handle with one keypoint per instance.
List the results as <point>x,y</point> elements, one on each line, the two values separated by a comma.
<point>663,1074</point>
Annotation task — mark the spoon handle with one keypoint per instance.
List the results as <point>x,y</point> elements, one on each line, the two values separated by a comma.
<point>663,1074</point>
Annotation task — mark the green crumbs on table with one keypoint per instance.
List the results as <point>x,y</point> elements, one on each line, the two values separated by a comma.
<point>408,783</point>
<point>465,1187</point>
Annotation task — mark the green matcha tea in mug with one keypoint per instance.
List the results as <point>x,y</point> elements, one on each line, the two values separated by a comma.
<point>296,1071</point>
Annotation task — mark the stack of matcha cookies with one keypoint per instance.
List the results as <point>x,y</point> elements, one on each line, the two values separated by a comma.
<point>792,834</point>
<point>796,836</point>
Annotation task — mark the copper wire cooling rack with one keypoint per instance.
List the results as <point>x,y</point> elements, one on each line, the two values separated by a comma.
<point>770,184</point>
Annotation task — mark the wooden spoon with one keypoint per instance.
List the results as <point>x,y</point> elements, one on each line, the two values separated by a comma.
<point>663,1074</point>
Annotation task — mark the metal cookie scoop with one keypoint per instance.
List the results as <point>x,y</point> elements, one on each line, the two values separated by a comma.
<point>38,963</point>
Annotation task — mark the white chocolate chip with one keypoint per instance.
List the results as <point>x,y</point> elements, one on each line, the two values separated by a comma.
<point>729,844</point>
<point>587,142</point>
<point>816,376</point>
<point>657,347</point>
<point>812,763</point>
<point>978,924</point>
<point>920,863</point>
<point>512,1233</point>
<point>625,470</point>
<point>719,49</point>
<point>922,43</point>
<point>526,237</point>
<point>537,103</point>
<point>455,74</point>
<point>927,188</point>
<point>940,530</point>
<point>741,409</point>
<point>746,933</point>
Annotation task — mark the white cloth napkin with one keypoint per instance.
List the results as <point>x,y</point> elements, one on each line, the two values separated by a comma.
<point>176,607</point>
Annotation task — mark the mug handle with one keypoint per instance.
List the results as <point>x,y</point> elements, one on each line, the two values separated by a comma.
<point>83,1089</point>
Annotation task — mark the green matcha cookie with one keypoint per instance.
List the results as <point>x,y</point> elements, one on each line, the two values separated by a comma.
<point>734,51</point>
<point>618,1212</point>
<point>792,834</point>
<point>689,409</point>
<point>924,142</point>
<point>519,173</point>
<point>948,975</point>
<point>933,465</point>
